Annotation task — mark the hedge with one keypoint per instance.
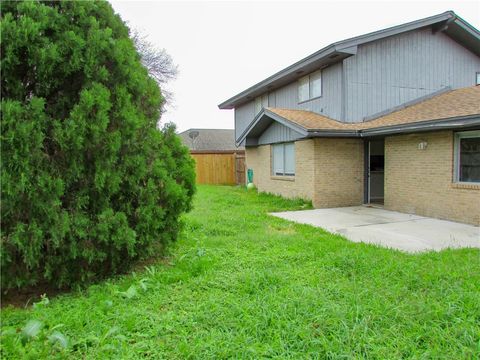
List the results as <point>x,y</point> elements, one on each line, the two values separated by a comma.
<point>89,182</point>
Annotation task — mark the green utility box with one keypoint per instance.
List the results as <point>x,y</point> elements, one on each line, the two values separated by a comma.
<point>249,176</point>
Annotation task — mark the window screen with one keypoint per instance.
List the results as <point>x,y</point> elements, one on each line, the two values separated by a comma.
<point>469,159</point>
<point>316,84</point>
<point>310,86</point>
<point>278,160</point>
<point>303,89</point>
<point>283,159</point>
<point>289,159</point>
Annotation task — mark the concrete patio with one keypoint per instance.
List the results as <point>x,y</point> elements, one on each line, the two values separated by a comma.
<point>390,229</point>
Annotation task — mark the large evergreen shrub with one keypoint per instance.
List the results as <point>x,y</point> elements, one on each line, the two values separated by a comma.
<point>89,183</point>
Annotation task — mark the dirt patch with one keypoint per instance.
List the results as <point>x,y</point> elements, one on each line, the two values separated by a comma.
<point>282,229</point>
<point>27,296</point>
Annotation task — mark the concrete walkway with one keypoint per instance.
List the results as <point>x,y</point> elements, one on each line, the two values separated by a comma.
<point>390,229</point>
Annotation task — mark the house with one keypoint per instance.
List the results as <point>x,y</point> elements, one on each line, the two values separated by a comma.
<point>389,118</point>
<point>218,158</point>
<point>201,140</point>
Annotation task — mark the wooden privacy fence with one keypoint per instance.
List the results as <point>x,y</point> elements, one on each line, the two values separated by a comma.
<point>219,167</point>
<point>240,168</point>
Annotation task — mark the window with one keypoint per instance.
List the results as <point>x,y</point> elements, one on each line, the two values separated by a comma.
<point>260,103</point>
<point>467,156</point>
<point>316,84</point>
<point>303,89</point>
<point>477,82</point>
<point>283,159</point>
<point>310,86</point>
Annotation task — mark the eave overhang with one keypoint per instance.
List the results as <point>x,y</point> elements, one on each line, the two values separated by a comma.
<point>463,33</point>
<point>319,60</point>
<point>461,122</point>
<point>266,117</point>
<point>447,22</point>
<point>263,120</point>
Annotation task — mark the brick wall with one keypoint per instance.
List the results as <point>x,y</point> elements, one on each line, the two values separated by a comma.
<point>301,186</point>
<point>328,171</point>
<point>420,181</point>
<point>339,172</point>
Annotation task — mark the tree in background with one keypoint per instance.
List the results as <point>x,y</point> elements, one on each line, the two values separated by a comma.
<point>89,184</point>
<point>158,62</point>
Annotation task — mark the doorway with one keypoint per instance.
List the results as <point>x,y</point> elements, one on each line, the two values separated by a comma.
<point>375,171</point>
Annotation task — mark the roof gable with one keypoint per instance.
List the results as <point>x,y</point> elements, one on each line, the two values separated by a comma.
<point>447,22</point>
<point>451,109</point>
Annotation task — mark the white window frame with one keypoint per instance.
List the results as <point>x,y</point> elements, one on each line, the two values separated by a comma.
<point>283,147</point>
<point>308,81</point>
<point>477,78</point>
<point>456,166</point>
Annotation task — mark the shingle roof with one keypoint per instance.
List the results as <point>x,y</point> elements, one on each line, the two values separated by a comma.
<point>452,104</point>
<point>309,120</point>
<point>210,139</point>
<point>455,103</point>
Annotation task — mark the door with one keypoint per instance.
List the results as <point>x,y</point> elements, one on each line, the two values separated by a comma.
<point>375,171</point>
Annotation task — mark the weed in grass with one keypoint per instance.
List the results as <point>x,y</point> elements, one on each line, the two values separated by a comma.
<point>242,284</point>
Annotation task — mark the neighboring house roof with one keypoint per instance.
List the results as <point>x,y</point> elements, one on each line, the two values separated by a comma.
<point>209,139</point>
<point>448,22</point>
<point>452,109</point>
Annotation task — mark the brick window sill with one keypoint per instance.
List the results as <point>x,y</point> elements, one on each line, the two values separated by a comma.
<point>283,178</point>
<point>459,185</point>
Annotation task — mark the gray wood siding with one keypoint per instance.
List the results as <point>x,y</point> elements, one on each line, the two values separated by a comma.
<point>383,74</point>
<point>244,115</point>
<point>329,104</point>
<point>277,132</point>
<point>399,69</point>
<point>272,99</point>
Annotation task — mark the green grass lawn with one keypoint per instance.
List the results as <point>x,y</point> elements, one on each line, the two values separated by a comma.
<point>242,284</point>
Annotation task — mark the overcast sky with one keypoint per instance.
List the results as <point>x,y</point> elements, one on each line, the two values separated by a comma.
<point>221,48</point>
